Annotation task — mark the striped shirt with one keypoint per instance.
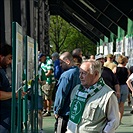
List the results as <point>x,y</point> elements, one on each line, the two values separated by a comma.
<point>48,65</point>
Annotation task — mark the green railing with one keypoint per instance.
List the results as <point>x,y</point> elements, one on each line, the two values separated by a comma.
<point>24,73</point>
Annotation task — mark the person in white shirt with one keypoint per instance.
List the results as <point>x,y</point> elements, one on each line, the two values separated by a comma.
<point>94,105</point>
<point>130,85</point>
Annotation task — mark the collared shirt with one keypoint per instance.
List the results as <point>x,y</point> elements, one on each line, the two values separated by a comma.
<point>68,80</point>
<point>57,69</point>
<point>48,65</point>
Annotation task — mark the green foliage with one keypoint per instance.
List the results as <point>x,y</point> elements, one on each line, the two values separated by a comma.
<point>63,37</point>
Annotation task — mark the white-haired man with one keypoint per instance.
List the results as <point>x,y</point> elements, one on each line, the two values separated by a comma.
<point>94,106</point>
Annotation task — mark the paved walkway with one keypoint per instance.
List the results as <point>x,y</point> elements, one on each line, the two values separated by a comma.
<point>127,122</point>
<point>125,127</point>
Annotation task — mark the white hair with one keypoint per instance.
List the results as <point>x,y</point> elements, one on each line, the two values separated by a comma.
<point>94,66</point>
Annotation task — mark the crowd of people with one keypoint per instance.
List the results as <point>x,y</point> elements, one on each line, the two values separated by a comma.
<point>87,95</point>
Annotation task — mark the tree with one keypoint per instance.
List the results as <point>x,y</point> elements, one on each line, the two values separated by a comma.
<point>59,29</point>
<point>63,37</point>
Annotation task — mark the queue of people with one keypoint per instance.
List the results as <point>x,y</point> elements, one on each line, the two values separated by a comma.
<point>88,95</point>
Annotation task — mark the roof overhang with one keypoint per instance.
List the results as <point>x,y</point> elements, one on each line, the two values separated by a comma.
<point>95,19</point>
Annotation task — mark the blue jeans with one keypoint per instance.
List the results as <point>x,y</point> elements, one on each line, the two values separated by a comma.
<point>62,124</point>
<point>5,125</point>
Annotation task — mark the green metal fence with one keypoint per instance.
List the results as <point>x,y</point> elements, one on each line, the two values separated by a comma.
<point>24,77</point>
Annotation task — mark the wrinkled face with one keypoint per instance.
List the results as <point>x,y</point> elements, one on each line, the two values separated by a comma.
<point>86,78</point>
<point>5,61</point>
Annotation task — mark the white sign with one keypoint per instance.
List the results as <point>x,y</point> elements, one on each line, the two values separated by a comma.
<point>19,56</point>
<point>30,58</point>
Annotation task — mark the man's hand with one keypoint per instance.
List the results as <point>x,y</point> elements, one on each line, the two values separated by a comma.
<point>56,116</point>
<point>41,82</point>
<point>22,94</point>
<point>118,94</point>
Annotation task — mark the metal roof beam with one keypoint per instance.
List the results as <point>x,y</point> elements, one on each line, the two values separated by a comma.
<point>90,19</point>
<point>113,25</point>
<point>113,13</point>
<point>125,7</point>
<point>78,26</point>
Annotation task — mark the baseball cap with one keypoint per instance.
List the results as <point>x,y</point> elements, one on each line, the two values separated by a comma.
<point>41,55</point>
<point>99,56</point>
<point>55,55</point>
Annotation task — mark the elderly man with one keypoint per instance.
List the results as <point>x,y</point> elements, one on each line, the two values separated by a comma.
<point>68,80</point>
<point>94,106</point>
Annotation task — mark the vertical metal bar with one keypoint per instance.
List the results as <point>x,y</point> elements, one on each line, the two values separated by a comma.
<point>19,122</point>
<point>13,111</point>
<point>25,108</point>
<point>36,87</point>
<point>32,108</point>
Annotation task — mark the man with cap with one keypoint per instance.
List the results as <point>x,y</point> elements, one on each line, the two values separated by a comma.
<point>46,65</point>
<point>108,76</point>
<point>57,72</point>
<point>57,67</point>
<point>109,63</point>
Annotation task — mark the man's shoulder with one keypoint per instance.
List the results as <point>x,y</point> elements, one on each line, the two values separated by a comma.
<point>48,61</point>
<point>75,89</point>
<point>73,70</point>
<point>106,89</point>
<point>42,65</point>
<point>68,74</point>
<point>56,62</point>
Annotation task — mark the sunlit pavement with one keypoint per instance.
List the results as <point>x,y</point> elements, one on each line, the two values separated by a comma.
<point>125,127</point>
<point>127,121</point>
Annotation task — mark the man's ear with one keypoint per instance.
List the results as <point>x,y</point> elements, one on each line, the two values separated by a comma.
<point>96,73</point>
<point>67,61</point>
